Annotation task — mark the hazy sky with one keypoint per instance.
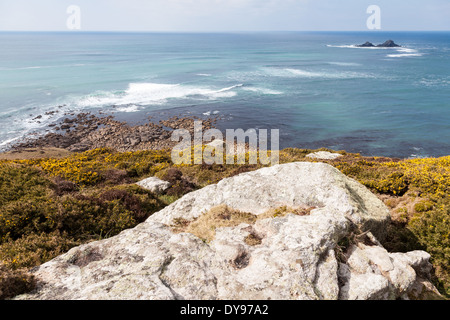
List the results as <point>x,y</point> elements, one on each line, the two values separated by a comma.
<point>224,15</point>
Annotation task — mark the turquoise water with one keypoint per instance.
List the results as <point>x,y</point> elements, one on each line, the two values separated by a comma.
<point>317,88</point>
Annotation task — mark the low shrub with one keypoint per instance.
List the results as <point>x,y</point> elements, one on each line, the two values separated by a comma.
<point>180,185</point>
<point>432,229</point>
<point>14,282</point>
<point>34,249</point>
<point>62,186</point>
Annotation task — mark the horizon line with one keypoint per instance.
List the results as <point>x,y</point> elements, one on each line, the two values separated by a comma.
<point>218,31</point>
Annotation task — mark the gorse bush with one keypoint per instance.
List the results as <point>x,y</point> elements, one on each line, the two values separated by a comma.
<point>432,229</point>
<point>21,182</point>
<point>48,206</point>
<point>426,182</point>
<point>95,166</point>
<point>34,249</point>
<point>428,177</point>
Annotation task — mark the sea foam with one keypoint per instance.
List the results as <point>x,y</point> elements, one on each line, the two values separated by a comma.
<point>154,93</point>
<point>300,73</point>
<point>405,52</point>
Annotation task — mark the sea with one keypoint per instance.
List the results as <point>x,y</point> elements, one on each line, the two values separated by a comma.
<point>317,88</point>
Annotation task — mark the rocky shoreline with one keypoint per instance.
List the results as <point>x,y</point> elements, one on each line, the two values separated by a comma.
<point>86,131</point>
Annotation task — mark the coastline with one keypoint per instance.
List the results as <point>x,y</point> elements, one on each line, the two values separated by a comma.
<point>315,89</point>
<point>86,131</point>
<point>87,170</point>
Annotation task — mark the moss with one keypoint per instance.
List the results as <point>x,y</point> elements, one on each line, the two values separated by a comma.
<point>253,239</point>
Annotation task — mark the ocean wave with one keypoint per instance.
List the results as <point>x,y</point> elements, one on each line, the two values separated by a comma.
<point>43,67</point>
<point>434,82</point>
<point>263,90</point>
<point>299,73</point>
<point>402,55</point>
<point>208,113</point>
<point>27,121</point>
<point>37,118</point>
<point>402,52</point>
<point>341,46</point>
<point>155,93</point>
<point>405,52</point>
<point>355,47</point>
<point>345,64</point>
<point>5,143</point>
<point>131,108</point>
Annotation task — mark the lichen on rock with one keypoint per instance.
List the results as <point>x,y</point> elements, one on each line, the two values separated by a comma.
<point>294,256</point>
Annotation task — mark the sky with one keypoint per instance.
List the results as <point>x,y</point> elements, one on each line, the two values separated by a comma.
<point>223,15</point>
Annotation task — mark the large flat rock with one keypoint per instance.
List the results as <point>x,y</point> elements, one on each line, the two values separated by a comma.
<point>295,257</point>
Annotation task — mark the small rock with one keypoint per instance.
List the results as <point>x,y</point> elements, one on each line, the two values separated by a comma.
<point>154,185</point>
<point>65,127</point>
<point>324,155</point>
<point>79,147</point>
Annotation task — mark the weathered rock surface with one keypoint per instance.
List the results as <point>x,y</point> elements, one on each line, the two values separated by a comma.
<point>294,259</point>
<point>293,185</point>
<point>154,185</point>
<point>371,273</point>
<point>324,155</point>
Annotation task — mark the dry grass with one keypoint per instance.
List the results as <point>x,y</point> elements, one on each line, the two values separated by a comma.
<point>223,216</point>
<point>285,210</point>
<point>219,217</point>
<point>35,153</point>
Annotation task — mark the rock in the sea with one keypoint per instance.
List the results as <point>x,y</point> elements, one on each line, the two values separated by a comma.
<point>388,44</point>
<point>154,185</point>
<point>366,45</point>
<point>290,256</point>
<point>324,155</point>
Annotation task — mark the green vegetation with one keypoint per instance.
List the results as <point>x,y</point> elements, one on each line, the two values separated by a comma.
<point>48,206</point>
